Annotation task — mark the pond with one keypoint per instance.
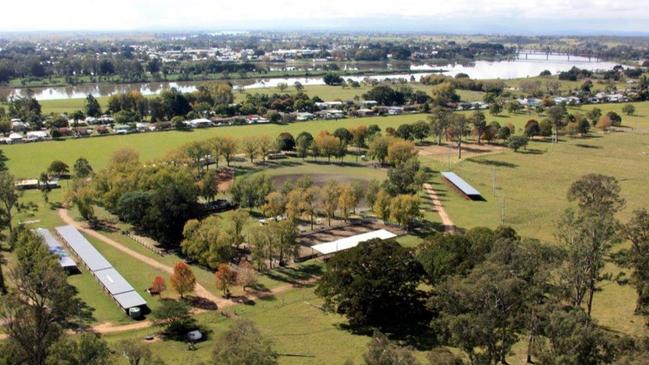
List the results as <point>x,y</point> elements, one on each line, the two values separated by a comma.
<point>526,65</point>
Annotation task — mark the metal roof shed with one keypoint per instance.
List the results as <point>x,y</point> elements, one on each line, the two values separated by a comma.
<point>87,252</point>
<point>352,241</point>
<point>113,281</point>
<point>129,300</point>
<point>462,186</point>
<point>55,247</point>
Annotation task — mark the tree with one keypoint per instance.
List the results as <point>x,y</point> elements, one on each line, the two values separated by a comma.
<point>344,135</point>
<point>285,142</point>
<point>275,204</point>
<point>250,146</point>
<point>443,256</point>
<point>597,193</point>
<point>207,242</point>
<point>628,109</point>
<point>371,191</point>
<point>246,275</point>
<point>92,107</point>
<point>479,122</point>
<point>405,178</point>
<point>378,148</point>
<point>88,349</point>
<point>381,351</point>
<point>3,161</point>
<point>589,235</point>
<point>182,279</point>
<point>373,284</point>
<point>404,210</point>
<point>303,143</point>
<point>136,353</point>
<point>158,285</point>
<point>532,128</point>
<point>243,344</point>
<point>251,191</point>
<point>330,199</point>
<point>265,146</point>
<point>8,199</point>
<point>495,109</point>
<point>82,195</point>
<point>40,305</point>
<point>615,118</point>
<point>574,339</point>
<point>637,232</point>
<point>58,168</point>
<point>82,168</point>
<point>225,278</point>
<point>381,206</point>
<point>504,133</point>
<point>517,142</point>
<point>440,120</point>
<point>458,130</point>
<point>482,313</point>
<point>400,151</point>
<point>556,116</point>
<point>226,147</point>
<point>593,115</point>
<point>176,319</point>
<point>346,200</point>
<point>327,144</point>
<point>331,78</point>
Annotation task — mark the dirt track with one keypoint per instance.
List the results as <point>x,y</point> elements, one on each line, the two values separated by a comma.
<point>449,226</point>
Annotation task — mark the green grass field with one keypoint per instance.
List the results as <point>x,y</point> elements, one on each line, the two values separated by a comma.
<point>26,161</point>
<point>533,186</point>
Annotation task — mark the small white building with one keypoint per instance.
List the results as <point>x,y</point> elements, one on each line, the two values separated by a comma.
<point>201,123</point>
<point>37,136</point>
<point>304,116</point>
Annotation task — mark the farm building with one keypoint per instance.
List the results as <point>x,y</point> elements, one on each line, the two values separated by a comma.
<point>461,186</point>
<point>352,241</point>
<point>55,247</point>
<point>112,281</point>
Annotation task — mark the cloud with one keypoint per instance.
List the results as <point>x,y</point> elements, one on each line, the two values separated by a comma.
<point>630,15</point>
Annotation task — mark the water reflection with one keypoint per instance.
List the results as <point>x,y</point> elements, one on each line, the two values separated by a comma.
<point>527,65</point>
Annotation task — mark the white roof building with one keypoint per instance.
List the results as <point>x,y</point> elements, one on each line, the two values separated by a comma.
<point>352,241</point>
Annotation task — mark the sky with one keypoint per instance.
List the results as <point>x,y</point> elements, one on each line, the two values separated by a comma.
<point>452,16</point>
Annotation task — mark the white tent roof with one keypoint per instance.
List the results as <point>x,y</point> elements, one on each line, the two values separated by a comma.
<point>352,241</point>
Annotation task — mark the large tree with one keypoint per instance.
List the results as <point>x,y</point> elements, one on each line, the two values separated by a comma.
<point>243,344</point>
<point>40,305</point>
<point>589,234</point>
<point>374,284</point>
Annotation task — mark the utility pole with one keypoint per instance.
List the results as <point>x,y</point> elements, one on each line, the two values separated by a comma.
<point>502,212</point>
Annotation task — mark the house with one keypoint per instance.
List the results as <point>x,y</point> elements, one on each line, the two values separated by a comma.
<point>201,123</point>
<point>15,138</point>
<point>37,136</point>
<point>329,105</point>
<point>122,129</point>
<point>332,114</point>
<point>18,126</point>
<point>303,116</point>
<point>256,119</point>
<point>395,110</point>
<point>364,112</point>
<point>369,103</point>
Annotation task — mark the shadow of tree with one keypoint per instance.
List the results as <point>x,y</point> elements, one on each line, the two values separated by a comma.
<point>492,163</point>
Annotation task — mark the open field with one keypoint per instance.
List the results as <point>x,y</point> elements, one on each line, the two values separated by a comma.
<point>533,186</point>
<point>153,145</point>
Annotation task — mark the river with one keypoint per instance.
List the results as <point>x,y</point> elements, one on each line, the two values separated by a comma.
<point>525,66</point>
